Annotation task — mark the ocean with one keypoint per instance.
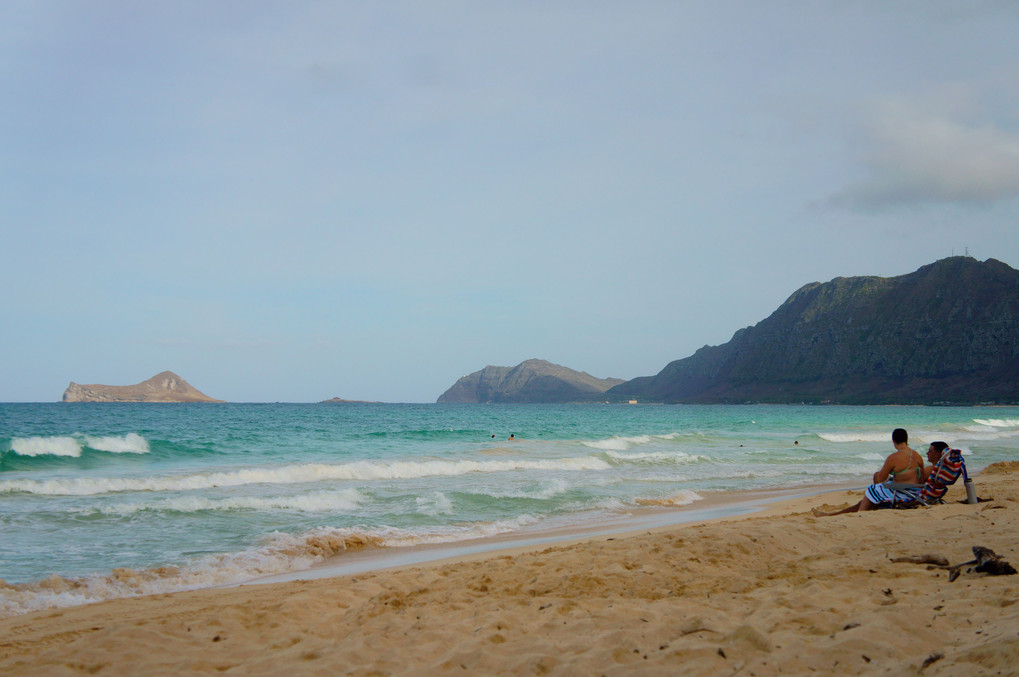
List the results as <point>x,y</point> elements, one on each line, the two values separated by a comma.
<point>112,500</point>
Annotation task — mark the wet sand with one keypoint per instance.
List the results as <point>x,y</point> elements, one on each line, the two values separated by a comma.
<point>774,592</point>
<point>711,506</point>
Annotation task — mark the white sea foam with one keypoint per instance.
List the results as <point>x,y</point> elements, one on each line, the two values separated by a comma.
<point>279,553</point>
<point>861,436</point>
<point>72,445</point>
<point>131,443</point>
<point>618,443</point>
<point>722,472</point>
<point>292,474</point>
<point>579,512</point>
<point>998,422</point>
<point>655,456</point>
<point>988,435</point>
<point>549,488</point>
<point>434,504</point>
<point>984,431</point>
<point>46,446</point>
<point>609,504</point>
<point>318,501</point>
<point>684,497</point>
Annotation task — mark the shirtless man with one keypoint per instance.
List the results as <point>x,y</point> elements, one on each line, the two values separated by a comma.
<point>934,453</point>
<point>902,465</point>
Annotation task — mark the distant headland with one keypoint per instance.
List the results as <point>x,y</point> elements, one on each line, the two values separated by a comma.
<point>947,333</point>
<point>163,387</point>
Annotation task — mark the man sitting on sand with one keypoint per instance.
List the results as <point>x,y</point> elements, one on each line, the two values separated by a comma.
<point>902,466</point>
<point>934,454</point>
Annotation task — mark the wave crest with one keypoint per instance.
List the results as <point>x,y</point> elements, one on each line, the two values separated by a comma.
<point>319,501</point>
<point>856,437</point>
<point>618,443</point>
<point>71,446</point>
<point>293,474</point>
<point>998,422</point>
<point>550,488</point>
<point>46,446</point>
<point>280,553</point>
<point>131,443</point>
<point>655,457</point>
<point>437,503</point>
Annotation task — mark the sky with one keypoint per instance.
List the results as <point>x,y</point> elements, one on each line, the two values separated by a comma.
<point>304,200</point>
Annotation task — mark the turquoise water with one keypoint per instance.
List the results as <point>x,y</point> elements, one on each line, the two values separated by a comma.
<point>100,500</point>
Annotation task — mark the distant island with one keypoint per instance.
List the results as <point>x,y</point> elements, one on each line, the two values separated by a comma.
<point>531,381</point>
<point>340,400</point>
<point>947,333</point>
<point>163,387</point>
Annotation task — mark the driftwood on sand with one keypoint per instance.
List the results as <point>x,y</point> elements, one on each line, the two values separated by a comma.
<point>987,562</point>
<point>937,560</point>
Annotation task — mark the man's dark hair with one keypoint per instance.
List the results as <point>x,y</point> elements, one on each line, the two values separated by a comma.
<point>899,436</point>
<point>939,446</point>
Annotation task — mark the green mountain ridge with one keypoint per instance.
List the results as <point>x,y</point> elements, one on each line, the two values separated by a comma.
<point>946,333</point>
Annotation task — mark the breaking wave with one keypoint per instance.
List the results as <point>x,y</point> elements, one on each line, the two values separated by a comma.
<point>293,474</point>
<point>624,443</point>
<point>72,445</point>
<point>434,504</point>
<point>46,446</point>
<point>131,443</point>
<point>279,553</point>
<point>857,437</point>
<point>655,456</point>
<point>319,501</point>
<point>685,497</point>
<point>998,422</point>
<point>549,489</point>
<point>618,443</point>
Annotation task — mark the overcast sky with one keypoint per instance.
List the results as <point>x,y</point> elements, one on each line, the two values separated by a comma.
<point>290,201</point>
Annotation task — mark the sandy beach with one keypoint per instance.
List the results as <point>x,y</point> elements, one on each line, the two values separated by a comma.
<point>777,592</point>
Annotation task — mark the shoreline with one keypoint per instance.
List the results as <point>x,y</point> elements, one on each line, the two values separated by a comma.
<point>359,558</point>
<point>713,506</point>
<point>776,591</point>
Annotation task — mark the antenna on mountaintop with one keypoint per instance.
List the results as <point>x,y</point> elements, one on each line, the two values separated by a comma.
<point>967,251</point>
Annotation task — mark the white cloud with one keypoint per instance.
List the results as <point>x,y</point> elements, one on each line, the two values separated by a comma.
<point>913,154</point>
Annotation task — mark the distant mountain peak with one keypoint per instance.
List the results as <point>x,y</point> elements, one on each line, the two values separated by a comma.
<point>532,380</point>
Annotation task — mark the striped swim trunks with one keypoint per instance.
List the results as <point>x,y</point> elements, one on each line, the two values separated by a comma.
<point>881,493</point>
